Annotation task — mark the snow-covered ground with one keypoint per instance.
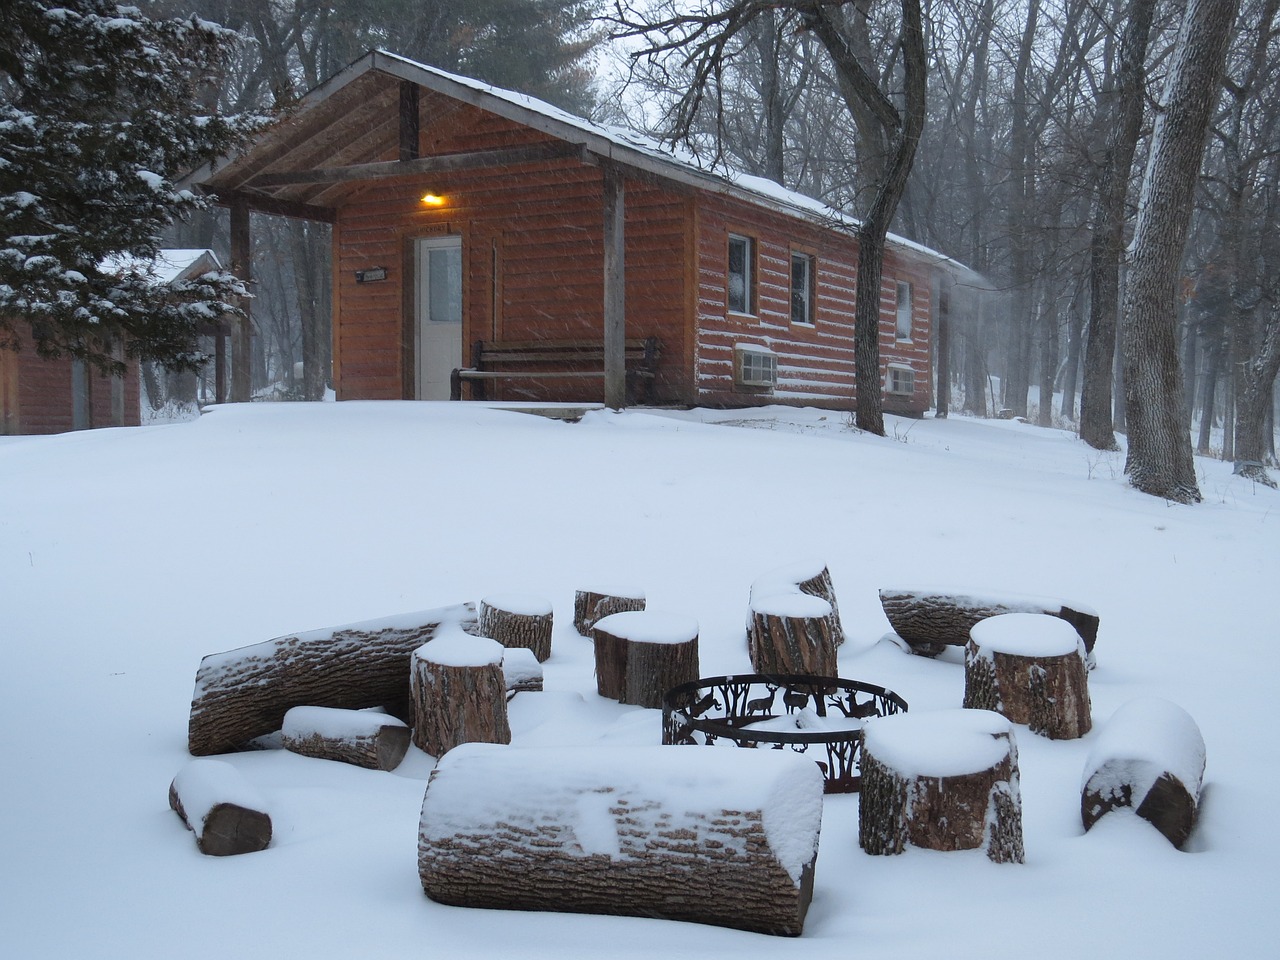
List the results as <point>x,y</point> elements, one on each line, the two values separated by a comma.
<point>126,555</point>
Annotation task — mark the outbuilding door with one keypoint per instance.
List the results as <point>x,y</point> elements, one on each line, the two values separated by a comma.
<point>438,313</point>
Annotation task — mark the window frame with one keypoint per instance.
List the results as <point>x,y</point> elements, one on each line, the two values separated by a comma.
<point>810,287</point>
<point>904,309</point>
<point>899,368</point>
<point>750,307</point>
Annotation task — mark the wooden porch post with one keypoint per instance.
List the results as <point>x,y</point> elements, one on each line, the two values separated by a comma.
<point>615,298</point>
<point>241,337</point>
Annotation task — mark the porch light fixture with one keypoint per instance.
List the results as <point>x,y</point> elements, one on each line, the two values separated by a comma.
<point>432,199</point>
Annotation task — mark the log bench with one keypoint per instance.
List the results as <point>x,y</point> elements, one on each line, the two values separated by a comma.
<point>793,623</point>
<point>1149,758</point>
<point>552,360</point>
<point>724,837</point>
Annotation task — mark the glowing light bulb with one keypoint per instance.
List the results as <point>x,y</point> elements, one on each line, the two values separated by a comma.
<point>432,199</point>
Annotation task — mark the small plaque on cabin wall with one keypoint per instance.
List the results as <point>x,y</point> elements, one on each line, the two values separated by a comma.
<point>371,274</point>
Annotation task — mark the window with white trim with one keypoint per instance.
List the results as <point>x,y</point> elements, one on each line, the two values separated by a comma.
<point>904,310</point>
<point>754,366</point>
<point>900,381</point>
<point>741,280</point>
<point>802,273</point>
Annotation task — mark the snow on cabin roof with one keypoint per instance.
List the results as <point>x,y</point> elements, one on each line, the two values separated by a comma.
<point>758,189</point>
<point>168,267</point>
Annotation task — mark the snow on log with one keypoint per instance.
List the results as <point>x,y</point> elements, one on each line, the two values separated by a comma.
<point>929,621</point>
<point>518,620</point>
<point>590,606</point>
<point>808,578</point>
<point>521,671</point>
<point>1031,668</point>
<point>459,693</point>
<point>724,837</point>
<point>641,654</point>
<point>245,693</point>
<point>227,815</point>
<point>1150,758</point>
<point>941,780</point>
<point>375,741</point>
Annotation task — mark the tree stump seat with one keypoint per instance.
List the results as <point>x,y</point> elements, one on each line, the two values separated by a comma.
<point>941,780</point>
<point>375,741</point>
<point>599,602</point>
<point>227,815</point>
<point>518,620</point>
<point>641,654</point>
<point>929,621</point>
<point>521,671</point>
<point>1031,668</point>
<point>793,623</point>
<point>719,837</point>
<point>1148,758</point>
<point>459,693</point>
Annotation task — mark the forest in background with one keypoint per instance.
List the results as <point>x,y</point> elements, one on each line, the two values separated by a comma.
<point>1025,102</point>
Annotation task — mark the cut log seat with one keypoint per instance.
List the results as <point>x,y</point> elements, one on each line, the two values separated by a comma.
<point>459,693</point>
<point>374,741</point>
<point>1149,758</point>
<point>929,621</point>
<point>641,654</point>
<point>599,602</point>
<point>243,694</point>
<point>518,620</point>
<point>227,815</point>
<point>553,360</point>
<point>724,837</point>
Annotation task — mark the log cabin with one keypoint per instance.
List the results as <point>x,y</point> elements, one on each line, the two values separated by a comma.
<point>487,244</point>
<point>39,396</point>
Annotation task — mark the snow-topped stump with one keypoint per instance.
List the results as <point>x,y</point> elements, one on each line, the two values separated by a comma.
<point>929,621</point>
<point>1150,758</point>
<point>521,671</point>
<point>245,693</point>
<point>942,780</point>
<point>459,693</point>
<point>720,837</point>
<point>518,620</point>
<point>590,606</point>
<point>1030,667</point>
<point>793,625</point>
<point>375,741</point>
<point>642,654</point>
<point>227,815</point>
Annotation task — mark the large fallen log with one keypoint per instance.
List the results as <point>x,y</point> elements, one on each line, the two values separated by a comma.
<point>1149,758</point>
<point>375,741</point>
<point>243,694</point>
<point>725,837</point>
<point>227,815</point>
<point>929,621</point>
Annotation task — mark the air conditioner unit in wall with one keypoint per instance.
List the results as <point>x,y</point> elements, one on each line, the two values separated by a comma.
<point>754,366</point>
<point>900,381</point>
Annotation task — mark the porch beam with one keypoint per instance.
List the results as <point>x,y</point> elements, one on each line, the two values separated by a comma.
<point>260,203</point>
<point>446,163</point>
<point>615,298</point>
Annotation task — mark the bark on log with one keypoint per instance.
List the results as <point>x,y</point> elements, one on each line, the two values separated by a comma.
<point>245,693</point>
<point>518,621</point>
<point>591,606</point>
<point>1150,758</point>
<point>931,621</point>
<point>1031,675</point>
<point>792,634</point>
<point>719,837</point>
<point>812,579</point>
<point>217,804</point>
<point>640,655</point>
<point>370,740</point>
<point>521,671</point>
<point>945,780</point>
<point>459,693</point>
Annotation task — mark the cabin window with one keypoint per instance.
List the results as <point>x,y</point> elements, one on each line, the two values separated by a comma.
<point>802,288</point>
<point>900,381</point>
<point>741,275</point>
<point>904,310</point>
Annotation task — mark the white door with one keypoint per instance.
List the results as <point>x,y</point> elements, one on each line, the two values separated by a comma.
<point>438,309</point>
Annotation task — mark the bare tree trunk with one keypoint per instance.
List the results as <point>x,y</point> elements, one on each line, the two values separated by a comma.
<point>1159,460</point>
<point>1257,380</point>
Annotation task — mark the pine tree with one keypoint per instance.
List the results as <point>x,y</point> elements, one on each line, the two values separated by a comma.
<point>100,111</point>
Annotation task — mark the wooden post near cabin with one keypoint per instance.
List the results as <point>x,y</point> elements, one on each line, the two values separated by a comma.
<point>242,335</point>
<point>615,296</point>
<point>459,693</point>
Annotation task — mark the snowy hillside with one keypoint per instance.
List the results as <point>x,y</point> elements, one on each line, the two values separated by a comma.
<point>126,555</point>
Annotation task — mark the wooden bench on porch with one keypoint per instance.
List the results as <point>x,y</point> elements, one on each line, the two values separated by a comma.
<point>552,360</point>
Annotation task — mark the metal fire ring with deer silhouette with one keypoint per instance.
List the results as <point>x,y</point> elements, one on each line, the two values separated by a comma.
<point>781,712</point>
